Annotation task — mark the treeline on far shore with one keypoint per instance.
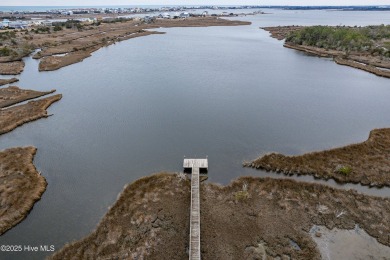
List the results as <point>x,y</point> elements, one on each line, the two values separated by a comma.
<point>373,39</point>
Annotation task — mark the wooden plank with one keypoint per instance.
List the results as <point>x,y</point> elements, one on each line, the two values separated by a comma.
<point>194,253</point>
<point>199,163</point>
<point>195,164</point>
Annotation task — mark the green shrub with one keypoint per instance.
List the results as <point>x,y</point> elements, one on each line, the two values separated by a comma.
<point>5,52</point>
<point>340,37</point>
<point>57,28</point>
<point>342,169</point>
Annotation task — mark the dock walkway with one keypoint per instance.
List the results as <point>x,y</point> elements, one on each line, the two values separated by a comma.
<point>195,165</point>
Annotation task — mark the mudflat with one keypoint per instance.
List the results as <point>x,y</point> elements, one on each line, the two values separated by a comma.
<point>252,218</point>
<point>21,185</point>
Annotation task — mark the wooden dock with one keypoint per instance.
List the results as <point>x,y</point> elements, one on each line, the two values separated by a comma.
<point>195,165</point>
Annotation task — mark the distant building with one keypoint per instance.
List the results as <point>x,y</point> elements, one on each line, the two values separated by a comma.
<point>35,22</point>
<point>205,13</point>
<point>5,22</point>
<point>18,25</point>
<point>184,15</point>
<point>86,20</point>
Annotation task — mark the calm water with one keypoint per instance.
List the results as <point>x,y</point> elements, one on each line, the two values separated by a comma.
<point>139,106</point>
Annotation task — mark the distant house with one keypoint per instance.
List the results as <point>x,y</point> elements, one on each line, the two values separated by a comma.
<point>87,20</point>
<point>5,22</point>
<point>205,13</point>
<point>35,22</point>
<point>166,16</point>
<point>184,15</point>
<point>18,25</point>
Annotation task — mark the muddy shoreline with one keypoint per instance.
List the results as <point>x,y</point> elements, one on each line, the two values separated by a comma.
<point>366,163</point>
<point>13,95</point>
<point>11,118</point>
<point>82,44</point>
<point>21,185</point>
<point>8,81</point>
<point>66,46</point>
<point>362,60</point>
<point>60,49</point>
<point>150,220</point>
<point>11,68</point>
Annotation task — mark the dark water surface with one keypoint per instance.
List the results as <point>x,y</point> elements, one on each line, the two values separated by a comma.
<point>139,106</point>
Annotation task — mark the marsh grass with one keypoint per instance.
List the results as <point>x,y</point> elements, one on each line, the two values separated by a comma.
<point>366,163</point>
<point>20,185</point>
<point>345,170</point>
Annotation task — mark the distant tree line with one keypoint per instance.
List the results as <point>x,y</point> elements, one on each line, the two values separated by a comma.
<point>374,39</point>
<point>69,24</point>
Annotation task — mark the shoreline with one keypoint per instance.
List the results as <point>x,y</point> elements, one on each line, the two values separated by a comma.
<point>362,60</point>
<point>62,46</point>
<point>251,217</point>
<point>122,31</point>
<point>21,185</point>
<point>354,62</point>
<point>12,117</point>
<point>8,81</point>
<point>13,95</point>
<point>365,163</point>
<point>12,67</point>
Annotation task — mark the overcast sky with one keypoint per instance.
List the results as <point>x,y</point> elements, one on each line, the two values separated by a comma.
<point>189,2</point>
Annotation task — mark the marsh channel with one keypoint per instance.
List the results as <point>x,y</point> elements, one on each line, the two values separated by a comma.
<point>229,93</point>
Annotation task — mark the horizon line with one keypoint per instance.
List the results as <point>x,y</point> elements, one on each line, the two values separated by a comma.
<point>204,5</point>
